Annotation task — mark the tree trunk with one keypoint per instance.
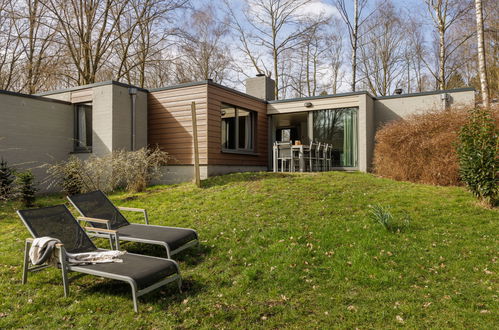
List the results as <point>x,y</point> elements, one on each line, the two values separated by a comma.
<point>482,68</point>
<point>33,10</point>
<point>441,58</point>
<point>354,44</point>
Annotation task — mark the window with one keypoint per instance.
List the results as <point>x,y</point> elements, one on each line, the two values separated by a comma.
<point>238,128</point>
<point>83,127</point>
<point>338,127</point>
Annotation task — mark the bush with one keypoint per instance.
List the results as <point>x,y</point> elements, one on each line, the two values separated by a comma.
<point>421,148</point>
<point>479,156</point>
<point>7,181</point>
<point>131,170</point>
<point>27,189</point>
<point>135,170</point>
<point>72,183</point>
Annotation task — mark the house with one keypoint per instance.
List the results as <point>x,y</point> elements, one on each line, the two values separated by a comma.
<point>236,130</point>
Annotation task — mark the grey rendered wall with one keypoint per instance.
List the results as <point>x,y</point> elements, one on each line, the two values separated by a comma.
<point>111,116</point>
<point>366,132</point>
<point>102,120</point>
<point>122,119</point>
<point>393,108</point>
<point>173,174</point>
<point>34,132</point>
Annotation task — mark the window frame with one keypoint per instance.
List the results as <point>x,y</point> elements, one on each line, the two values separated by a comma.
<point>253,116</point>
<point>76,147</point>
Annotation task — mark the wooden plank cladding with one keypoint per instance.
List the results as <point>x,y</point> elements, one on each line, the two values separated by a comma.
<point>170,122</point>
<point>218,95</point>
<point>81,96</point>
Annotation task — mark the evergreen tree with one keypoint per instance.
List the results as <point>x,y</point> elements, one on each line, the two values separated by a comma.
<point>6,181</point>
<point>26,181</point>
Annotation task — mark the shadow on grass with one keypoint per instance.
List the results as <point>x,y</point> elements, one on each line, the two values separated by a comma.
<point>162,297</point>
<point>240,177</point>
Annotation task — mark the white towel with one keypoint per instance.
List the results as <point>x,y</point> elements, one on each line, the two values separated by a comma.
<point>42,250</point>
<point>98,257</point>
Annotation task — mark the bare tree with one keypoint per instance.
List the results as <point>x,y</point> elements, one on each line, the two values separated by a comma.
<point>354,22</point>
<point>276,26</point>
<point>204,52</point>
<point>10,49</point>
<point>444,15</point>
<point>335,57</point>
<point>310,59</point>
<point>144,31</point>
<point>36,32</point>
<point>87,28</point>
<point>482,68</point>
<point>382,53</point>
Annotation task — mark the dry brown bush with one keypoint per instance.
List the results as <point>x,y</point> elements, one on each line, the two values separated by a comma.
<point>129,170</point>
<point>421,148</point>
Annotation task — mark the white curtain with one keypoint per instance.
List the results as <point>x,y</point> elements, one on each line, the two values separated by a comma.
<point>82,127</point>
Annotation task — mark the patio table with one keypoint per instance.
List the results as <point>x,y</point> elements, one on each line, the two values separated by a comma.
<point>300,148</point>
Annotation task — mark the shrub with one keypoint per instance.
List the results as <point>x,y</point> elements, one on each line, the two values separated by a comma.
<point>131,170</point>
<point>479,156</point>
<point>382,215</point>
<point>7,181</point>
<point>421,148</point>
<point>135,170</point>
<point>27,189</point>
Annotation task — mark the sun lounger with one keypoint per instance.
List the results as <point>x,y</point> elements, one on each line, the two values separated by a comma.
<point>142,273</point>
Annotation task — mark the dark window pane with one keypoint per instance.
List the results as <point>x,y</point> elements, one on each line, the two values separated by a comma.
<point>338,127</point>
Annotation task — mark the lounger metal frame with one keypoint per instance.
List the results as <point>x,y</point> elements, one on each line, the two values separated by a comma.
<point>169,252</point>
<point>65,268</point>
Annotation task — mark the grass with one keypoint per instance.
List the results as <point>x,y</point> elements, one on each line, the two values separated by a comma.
<point>294,251</point>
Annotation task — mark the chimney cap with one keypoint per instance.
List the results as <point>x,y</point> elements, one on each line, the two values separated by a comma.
<point>260,74</point>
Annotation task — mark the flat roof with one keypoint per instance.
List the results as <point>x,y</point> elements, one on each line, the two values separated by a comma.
<point>320,97</point>
<point>455,90</point>
<point>35,97</point>
<point>98,84</point>
<point>212,83</point>
<point>206,82</point>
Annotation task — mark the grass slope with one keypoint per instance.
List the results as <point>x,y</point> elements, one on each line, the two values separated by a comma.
<point>295,251</point>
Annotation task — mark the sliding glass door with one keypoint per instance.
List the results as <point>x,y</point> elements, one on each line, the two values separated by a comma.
<point>339,128</point>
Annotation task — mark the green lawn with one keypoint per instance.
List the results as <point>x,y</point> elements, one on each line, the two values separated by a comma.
<point>295,251</point>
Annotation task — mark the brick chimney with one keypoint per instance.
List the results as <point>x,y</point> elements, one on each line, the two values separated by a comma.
<point>261,86</point>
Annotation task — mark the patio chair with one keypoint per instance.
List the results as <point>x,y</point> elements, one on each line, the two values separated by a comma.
<point>99,212</point>
<point>311,156</point>
<point>329,157</point>
<point>142,273</point>
<point>321,157</point>
<point>284,155</point>
<point>318,151</point>
<point>324,157</point>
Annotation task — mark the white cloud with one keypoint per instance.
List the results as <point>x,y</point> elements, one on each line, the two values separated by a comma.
<point>317,8</point>
<point>314,8</point>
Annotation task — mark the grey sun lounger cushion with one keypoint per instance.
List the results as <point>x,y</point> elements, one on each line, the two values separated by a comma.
<point>174,237</point>
<point>95,204</point>
<point>143,273</point>
<point>144,270</point>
